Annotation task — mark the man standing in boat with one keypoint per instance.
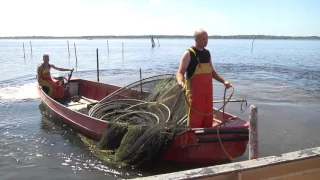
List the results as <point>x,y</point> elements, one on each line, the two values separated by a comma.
<point>53,88</point>
<point>197,65</point>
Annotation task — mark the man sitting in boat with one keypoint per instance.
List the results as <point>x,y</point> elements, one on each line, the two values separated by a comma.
<point>196,63</point>
<point>52,87</point>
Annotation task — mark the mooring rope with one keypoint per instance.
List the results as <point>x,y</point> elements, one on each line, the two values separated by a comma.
<point>223,121</point>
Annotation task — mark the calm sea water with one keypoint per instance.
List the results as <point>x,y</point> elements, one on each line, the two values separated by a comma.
<point>281,77</point>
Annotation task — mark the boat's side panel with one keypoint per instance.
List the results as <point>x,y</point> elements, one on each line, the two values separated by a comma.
<point>98,91</point>
<point>191,148</point>
<point>205,153</point>
<point>95,90</point>
<point>202,145</point>
<point>89,126</point>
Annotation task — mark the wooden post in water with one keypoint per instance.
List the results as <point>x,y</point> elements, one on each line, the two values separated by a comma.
<point>108,46</point>
<point>140,80</point>
<point>252,46</point>
<point>152,42</point>
<point>24,53</point>
<point>31,47</point>
<point>68,48</point>
<point>253,133</point>
<point>97,65</point>
<point>122,50</point>
<point>75,52</point>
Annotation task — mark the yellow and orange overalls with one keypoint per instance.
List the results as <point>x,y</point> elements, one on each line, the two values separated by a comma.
<point>199,89</point>
<point>55,87</point>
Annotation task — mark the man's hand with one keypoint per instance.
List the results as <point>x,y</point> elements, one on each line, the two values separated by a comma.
<point>227,84</point>
<point>181,83</point>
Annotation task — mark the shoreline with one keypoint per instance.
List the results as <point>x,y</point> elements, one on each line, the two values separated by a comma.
<point>167,37</point>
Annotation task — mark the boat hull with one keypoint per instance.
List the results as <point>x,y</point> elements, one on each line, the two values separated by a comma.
<point>196,145</point>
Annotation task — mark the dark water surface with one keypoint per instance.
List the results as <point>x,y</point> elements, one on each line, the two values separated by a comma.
<point>280,77</point>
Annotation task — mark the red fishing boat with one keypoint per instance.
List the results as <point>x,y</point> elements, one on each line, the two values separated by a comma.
<point>197,145</point>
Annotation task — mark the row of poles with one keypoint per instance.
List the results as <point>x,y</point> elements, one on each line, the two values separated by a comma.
<point>75,50</point>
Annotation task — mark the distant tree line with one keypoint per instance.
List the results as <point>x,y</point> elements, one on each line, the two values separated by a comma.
<point>164,36</point>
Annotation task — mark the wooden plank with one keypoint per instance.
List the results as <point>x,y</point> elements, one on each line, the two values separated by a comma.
<point>304,164</point>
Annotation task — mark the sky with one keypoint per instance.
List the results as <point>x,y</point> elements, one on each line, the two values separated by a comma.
<point>159,17</point>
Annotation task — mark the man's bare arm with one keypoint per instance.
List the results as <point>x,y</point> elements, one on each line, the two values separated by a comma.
<point>60,69</point>
<point>184,63</point>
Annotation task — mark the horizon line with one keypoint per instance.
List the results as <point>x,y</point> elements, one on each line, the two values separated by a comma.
<point>154,35</point>
<point>168,36</point>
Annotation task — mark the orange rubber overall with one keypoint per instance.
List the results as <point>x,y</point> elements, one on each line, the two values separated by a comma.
<point>199,93</point>
<point>55,87</point>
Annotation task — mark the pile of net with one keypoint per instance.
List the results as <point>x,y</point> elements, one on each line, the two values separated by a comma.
<point>142,119</point>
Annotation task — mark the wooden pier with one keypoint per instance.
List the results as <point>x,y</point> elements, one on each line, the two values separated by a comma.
<point>303,164</point>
